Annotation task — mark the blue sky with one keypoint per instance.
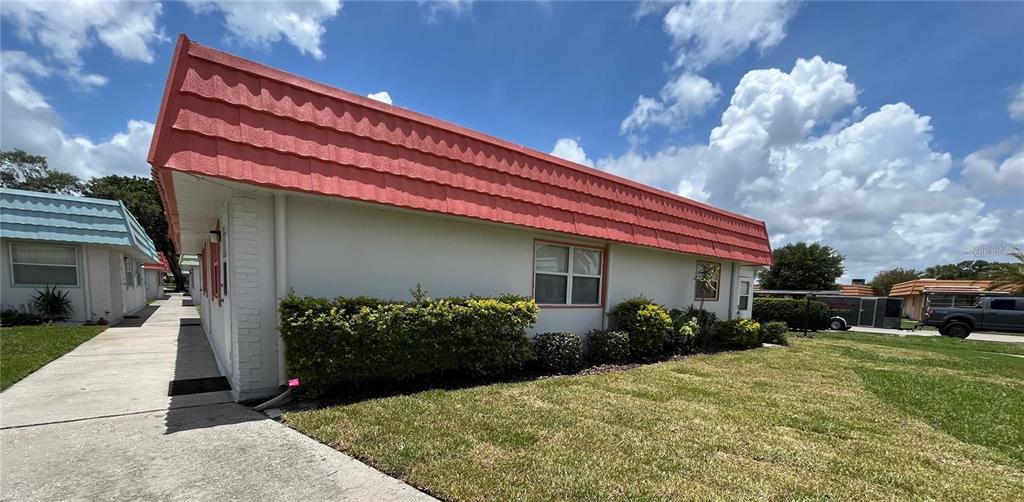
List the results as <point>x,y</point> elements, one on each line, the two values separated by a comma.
<point>921,190</point>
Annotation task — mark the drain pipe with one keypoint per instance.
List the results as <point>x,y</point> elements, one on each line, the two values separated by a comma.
<point>280,274</point>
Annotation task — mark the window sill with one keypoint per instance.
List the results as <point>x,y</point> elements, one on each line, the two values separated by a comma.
<point>565,306</point>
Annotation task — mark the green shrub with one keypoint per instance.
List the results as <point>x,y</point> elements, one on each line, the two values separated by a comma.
<point>14,317</point>
<point>737,334</point>
<point>558,352</point>
<point>682,338</point>
<point>647,324</point>
<point>795,313</point>
<point>774,332</point>
<point>350,341</point>
<point>607,347</point>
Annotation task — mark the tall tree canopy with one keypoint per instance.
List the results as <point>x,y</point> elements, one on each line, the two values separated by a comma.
<point>884,280</point>
<point>969,269</point>
<point>803,266</point>
<point>142,198</point>
<point>1008,276</point>
<point>25,171</point>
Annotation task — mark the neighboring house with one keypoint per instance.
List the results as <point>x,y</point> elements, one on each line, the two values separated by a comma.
<point>857,287</point>
<point>188,264</point>
<point>283,184</point>
<point>92,248</point>
<point>918,294</point>
<point>154,274</point>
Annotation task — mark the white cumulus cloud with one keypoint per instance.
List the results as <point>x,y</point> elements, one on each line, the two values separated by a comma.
<point>30,123</point>
<point>794,149</point>
<point>708,31</point>
<point>570,149</point>
<point>381,96</point>
<point>685,97</point>
<point>434,9</point>
<point>997,170</point>
<point>65,30</point>
<point>262,23</point>
<point>1016,106</point>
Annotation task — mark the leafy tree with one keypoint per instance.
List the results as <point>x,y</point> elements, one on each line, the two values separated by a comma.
<point>803,266</point>
<point>969,269</point>
<point>1008,276</point>
<point>142,198</point>
<point>884,280</point>
<point>25,171</point>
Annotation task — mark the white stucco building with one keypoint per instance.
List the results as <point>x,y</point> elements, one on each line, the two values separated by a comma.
<point>282,184</point>
<point>93,249</point>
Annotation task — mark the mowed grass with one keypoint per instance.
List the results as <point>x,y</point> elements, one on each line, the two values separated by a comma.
<point>24,349</point>
<point>841,416</point>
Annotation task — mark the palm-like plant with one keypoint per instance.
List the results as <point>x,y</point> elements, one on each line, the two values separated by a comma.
<point>707,281</point>
<point>52,303</point>
<point>1008,276</point>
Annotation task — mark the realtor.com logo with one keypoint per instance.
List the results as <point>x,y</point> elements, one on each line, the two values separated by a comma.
<point>988,251</point>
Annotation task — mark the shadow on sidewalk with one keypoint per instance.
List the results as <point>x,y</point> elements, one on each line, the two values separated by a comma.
<point>194,360</point>
<point>137,318</point>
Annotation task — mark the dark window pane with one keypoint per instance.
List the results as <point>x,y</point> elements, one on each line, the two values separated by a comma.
<point>586,290</point>
<point>1004,304</point>
<point>43,274</point>
<point>744,301</point>
<point>550,289</point>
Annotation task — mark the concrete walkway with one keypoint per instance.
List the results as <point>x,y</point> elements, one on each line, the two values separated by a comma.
<point>988,337</point>
<point>97,424</point>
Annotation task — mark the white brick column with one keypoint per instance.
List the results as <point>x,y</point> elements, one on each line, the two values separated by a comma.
<point>251,295</point>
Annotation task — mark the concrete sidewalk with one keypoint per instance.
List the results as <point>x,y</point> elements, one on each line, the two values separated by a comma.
<point>97,424</point>
<point>988,337</point>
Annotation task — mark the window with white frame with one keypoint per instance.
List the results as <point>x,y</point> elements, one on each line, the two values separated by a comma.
<point>43,264</point>
<point>567,275</point>
<point>709,275</point>
<point>129,277</point>
<point>744,295</point>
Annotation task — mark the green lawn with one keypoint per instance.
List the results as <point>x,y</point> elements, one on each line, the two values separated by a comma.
<point>24,349</point>
<point>841,416</point>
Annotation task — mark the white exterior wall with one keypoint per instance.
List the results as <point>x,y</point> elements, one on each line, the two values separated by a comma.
<point>100,270</point>
<point>242,326</point>
<point>100,283</point>
<point>338,248</point>
<point>134,296</point>
<point>18,296</point>
<point>154,286</point>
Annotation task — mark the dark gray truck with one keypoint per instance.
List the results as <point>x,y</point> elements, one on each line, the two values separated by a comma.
<point>991,314</point>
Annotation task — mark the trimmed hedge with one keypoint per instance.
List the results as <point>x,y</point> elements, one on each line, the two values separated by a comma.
<point>647,323</point>
<point>607,347</point>
<point>737,334</point>
<point>774,332</point>
<point>349,341</point>
<point>792,312</point>
<point>558,352</point>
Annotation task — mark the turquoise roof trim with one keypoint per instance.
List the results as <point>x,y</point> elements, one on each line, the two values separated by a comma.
<point>188,260</point>
<point>69,218</point>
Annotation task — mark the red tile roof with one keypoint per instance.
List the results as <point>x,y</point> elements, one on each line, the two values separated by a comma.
<point>226,117</point>
<point>162,266</point>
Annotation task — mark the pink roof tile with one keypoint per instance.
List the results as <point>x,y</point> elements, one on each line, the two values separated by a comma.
<point>226,117</point>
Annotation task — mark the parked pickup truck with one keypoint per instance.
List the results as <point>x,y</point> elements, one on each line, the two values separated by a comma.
<point>991,314</point>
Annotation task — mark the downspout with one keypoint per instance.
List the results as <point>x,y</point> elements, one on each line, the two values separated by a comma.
<point>280,274</point>
<point>86,283</point>
<point>733,281</point>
